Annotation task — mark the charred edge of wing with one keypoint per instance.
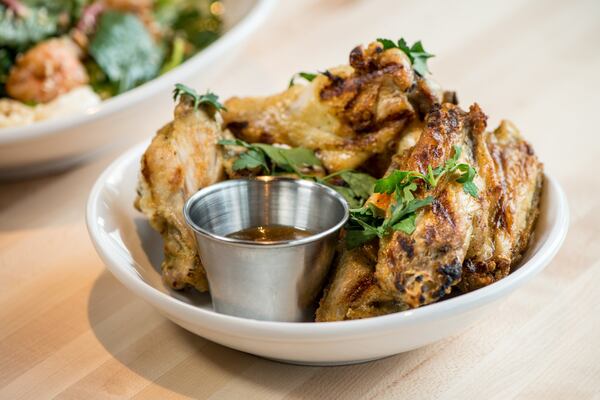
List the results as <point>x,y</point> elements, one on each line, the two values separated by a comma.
<point>451,274</point>
<point>338,85</point>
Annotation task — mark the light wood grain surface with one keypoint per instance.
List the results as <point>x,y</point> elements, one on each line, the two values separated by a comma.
<point>68,329</point>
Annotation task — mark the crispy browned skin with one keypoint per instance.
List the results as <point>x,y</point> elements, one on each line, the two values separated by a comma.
<point>412,270</point>
<point>182,158</point>
<point>376,114</point>
<point>513,177</point>
<point>422,267</point>
<point>353,291</point>
<point>455,234</point>
<point>347,114</point>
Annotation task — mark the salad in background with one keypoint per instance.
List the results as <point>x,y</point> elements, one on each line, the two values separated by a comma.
<point>63,56</point>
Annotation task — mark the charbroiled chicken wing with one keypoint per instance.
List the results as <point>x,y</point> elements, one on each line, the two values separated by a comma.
<point>182,158</point>
<point>422,267</point>
<point>458,240</point>
<point>379,115</point>
<point>346,114</point>
<point>513,178</point>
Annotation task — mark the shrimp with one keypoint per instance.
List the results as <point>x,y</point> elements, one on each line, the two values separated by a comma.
<point>130,5</point>
<point>46,71</point>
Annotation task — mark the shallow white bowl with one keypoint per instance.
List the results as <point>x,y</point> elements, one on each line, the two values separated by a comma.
<point>132,251</point>
<point>58,143</point>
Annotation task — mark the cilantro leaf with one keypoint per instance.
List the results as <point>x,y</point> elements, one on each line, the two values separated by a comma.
<point>208,98</point>
<point>470,188</point>
<point>274,158</point>
<point>416,53</point>
<point>393,181</point>
<point>364,223</point>
<point>363,226</point>
<point>387,43</point>
<point>249,160</point>
<point>348,194</point>
<point>419,58</point>
<point>357,238</point>
<point>355,188</point>
<point>402,209</point>
<point>407,225</point>
<point>360,183</point>
<point>359,186</point>
<point>290,160</point>
<point>309,76</point>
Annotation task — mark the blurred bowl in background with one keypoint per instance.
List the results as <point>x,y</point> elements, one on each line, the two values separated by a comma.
<point>59,143</point>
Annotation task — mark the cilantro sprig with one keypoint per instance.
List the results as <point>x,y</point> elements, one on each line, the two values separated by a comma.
<point>208,98</point>
<point>309,76</point>
<point>272,159</point>
<point>267,159</point>
<point>369,222</point>
<point>416,53</point>
<point>357,187</point>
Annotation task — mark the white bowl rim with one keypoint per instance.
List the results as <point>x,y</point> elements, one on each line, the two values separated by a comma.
<point>280,331</point>
<point>182,72</point>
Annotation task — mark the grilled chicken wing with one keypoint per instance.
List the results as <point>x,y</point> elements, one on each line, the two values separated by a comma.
<point>513,178</point>
<point>353,291</point>
<point>182,158</point>
<point>376,114</point>
<point>346,114</point>
<point>459,240</point>
<point>422,267</point>
<point>411,270</point>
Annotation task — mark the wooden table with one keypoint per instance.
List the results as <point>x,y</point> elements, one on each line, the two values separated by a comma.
<point>69,329</point>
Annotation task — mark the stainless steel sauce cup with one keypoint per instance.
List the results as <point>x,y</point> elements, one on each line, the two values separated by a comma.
<point>275,282</point>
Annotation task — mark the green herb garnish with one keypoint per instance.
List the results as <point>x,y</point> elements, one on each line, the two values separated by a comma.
<point>309,76</point>
<point>273,160</point>
<point>368,222</point>
<point>358,186</point>
<point>416,53</point>
<point>208,98</point>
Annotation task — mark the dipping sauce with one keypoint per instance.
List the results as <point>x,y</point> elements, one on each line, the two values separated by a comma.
<point>270,233</point>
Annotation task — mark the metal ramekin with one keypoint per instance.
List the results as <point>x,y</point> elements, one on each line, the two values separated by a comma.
<point>279,281</point>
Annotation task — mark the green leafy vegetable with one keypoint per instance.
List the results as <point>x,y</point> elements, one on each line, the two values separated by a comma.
<point>354,186</point>
<point>6,62</point>
<point>273,159</point>
<point>125,50</point>
<point>208,98</point>
<point>70,8</point>
<point>21,31</point>
<point>364,225</point>
<point>177,55</point>
<point>359,186</point>
<point>366,222</point>
<point>190,20</point>
<point>416,53</point>
<point>99,81</point>
<point>309,76</point>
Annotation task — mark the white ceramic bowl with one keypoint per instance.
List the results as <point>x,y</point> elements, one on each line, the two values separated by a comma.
<point>58,143</point>
<point>132,251</point>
